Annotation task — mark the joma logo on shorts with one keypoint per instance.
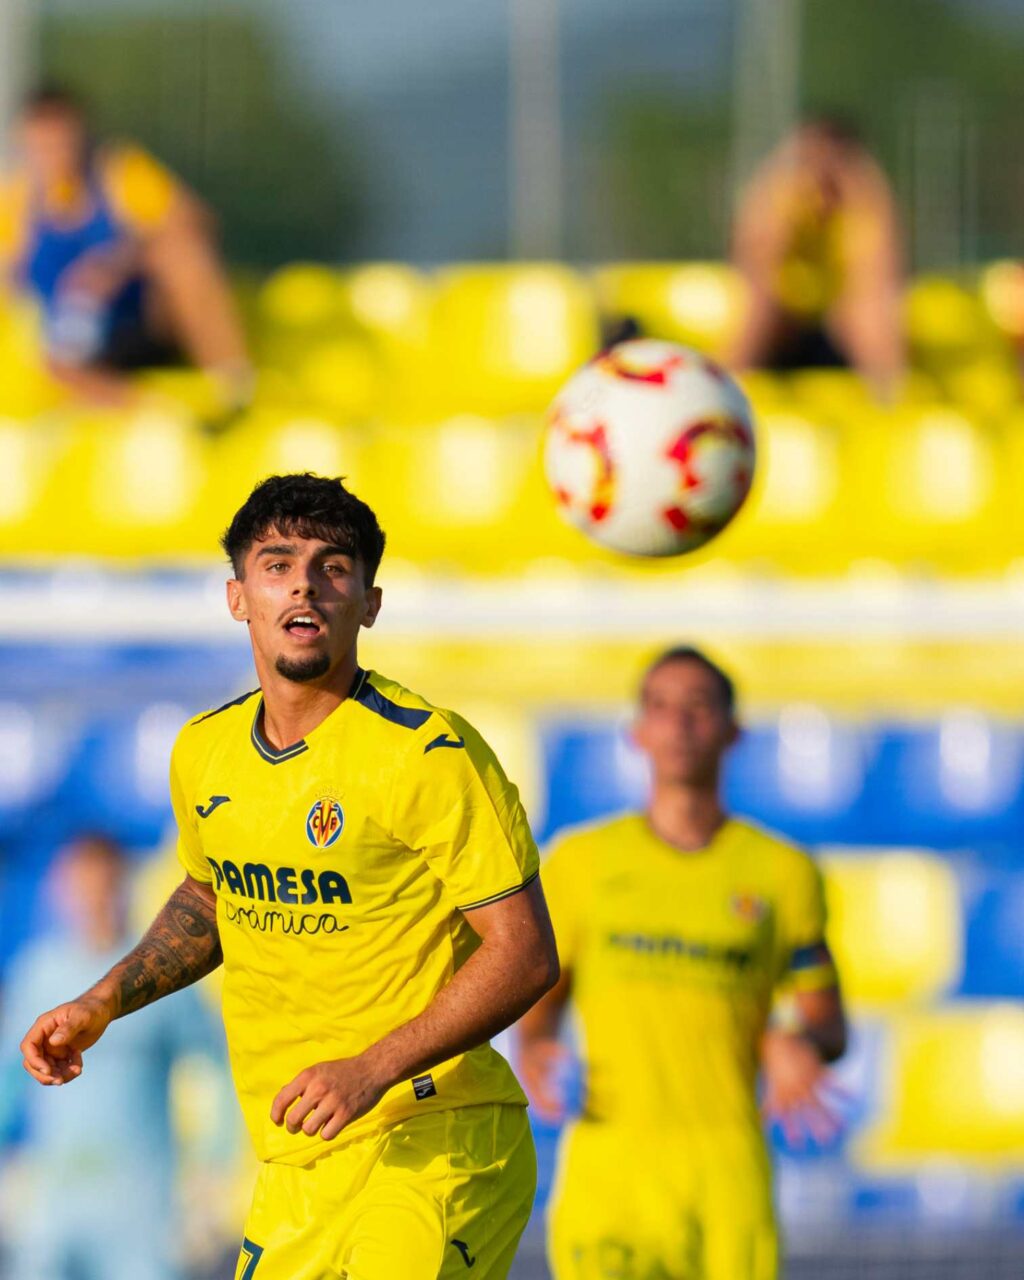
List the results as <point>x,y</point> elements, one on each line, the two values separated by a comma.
<point>293,886</point>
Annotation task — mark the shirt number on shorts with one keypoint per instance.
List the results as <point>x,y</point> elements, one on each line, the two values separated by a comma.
<point>252,1254</point>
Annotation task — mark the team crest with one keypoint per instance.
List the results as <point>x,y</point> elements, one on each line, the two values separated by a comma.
<point>324,822</point>
<point>749,907</point>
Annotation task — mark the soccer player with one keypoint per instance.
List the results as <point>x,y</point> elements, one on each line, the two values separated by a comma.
<point>363,869</point>
<point>675,928</point>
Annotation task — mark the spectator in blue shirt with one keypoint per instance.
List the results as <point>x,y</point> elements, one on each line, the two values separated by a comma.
<point>99,1159</point>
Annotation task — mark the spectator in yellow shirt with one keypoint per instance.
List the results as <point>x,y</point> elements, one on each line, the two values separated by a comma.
<point>119,254</point>
<point>818,242</point>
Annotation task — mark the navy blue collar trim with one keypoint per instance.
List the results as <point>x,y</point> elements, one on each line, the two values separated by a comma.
<point>273,755</point>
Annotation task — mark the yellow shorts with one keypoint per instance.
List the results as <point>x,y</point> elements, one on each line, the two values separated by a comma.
<point>442,1195</point>
<point>631,1204</point>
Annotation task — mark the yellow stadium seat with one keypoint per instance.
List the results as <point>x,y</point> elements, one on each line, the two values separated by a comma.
<point>697,303</point>
<point>343,377</point>
<point>26,388</point>
<point>1002,292</point>
<point>894,925</point>
<point>30,454</point>
<point>952,1089</point>
<point>831,393</point>
<point>297,308</point>
<point>451,492</point>
<point>130,484</point>
<point>505,338</point>
<point>930,488</point>
<point>389,300</point>
<point>796,517</point>
<point>303,295</point>
<point>943,319</point>
<point>389,305</point>
<point>273,441</point>
<point>988,385</point>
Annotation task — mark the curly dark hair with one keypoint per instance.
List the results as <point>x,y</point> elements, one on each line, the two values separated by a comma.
<point>306,506</point>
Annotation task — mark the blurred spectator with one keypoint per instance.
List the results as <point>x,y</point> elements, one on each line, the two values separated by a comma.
<point>818,241</point>
<point>98,1159</point>
<point>119,254</point>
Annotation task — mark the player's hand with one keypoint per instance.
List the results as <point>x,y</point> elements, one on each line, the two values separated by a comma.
<point>325,1098</point>
<point>798,1089</point>
<point>542,1068</point>
<point>53,1046</point>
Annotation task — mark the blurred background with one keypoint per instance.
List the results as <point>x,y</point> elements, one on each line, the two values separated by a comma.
<point>427,217</point>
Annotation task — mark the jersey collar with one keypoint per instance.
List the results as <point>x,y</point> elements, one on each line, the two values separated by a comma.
<point>275,755</point>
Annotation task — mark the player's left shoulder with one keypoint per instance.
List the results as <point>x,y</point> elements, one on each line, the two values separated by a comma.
<point>776,851</point>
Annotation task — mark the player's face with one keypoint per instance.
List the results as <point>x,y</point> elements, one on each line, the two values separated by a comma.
<point>304,601</point>
<point>52,146</point>
<point>683,725</point>
<point>88,884</point>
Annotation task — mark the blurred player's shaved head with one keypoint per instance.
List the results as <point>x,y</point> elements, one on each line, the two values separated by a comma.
<point>691,654</point>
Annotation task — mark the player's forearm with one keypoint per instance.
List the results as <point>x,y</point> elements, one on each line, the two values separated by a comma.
<point>492,990</point>
<point>181,946</point>
<point>543,1020</point>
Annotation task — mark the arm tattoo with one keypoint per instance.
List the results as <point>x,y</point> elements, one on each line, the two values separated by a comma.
<point>181,946</point>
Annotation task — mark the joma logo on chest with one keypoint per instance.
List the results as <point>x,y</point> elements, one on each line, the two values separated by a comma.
<point>293,886</point>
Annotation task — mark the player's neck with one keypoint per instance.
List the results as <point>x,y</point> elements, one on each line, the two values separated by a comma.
<point>685,817</point>
<point>291,710</point>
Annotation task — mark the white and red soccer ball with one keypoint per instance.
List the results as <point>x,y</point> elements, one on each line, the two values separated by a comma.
<point>650,449</point>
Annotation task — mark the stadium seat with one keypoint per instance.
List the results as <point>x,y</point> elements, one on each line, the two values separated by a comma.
<point>296,308</point>
<point>954,1090</point>
<point>466,492</point>
<point>944,321</point>
<point>832,394</point>
<point>30,454</point>
<point>591,770</point>
<point>894,925</point>
<point>1002,292</point>
<point>949,785</point>
<point>504,338</point>
<point>303,295</point>
<point>343,377</point>
<point>37,742</point>
<point>272,440</point>
<point>26,389</point>
<point>117,782</point>
<point>803,775</point>
<point>389,305</point>
<point>994,920</point>
<point>928,487</point>
<point>133,485</point>
<point>697,303</point>
<point>797,516</point>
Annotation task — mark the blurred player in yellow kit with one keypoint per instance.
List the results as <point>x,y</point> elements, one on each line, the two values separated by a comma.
<point>364,870</point>
<point>676,927</point>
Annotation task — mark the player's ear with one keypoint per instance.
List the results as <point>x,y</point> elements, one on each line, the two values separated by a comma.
<point>236,600</point>
<point>374,597</point>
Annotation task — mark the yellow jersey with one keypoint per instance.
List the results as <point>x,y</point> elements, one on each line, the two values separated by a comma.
<point>675,957</point>
<point>343,866</point>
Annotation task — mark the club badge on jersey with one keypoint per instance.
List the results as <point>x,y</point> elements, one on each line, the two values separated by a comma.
<point>324,822</point>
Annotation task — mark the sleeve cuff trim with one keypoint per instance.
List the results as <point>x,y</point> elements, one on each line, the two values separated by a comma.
<point>497,897</point>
